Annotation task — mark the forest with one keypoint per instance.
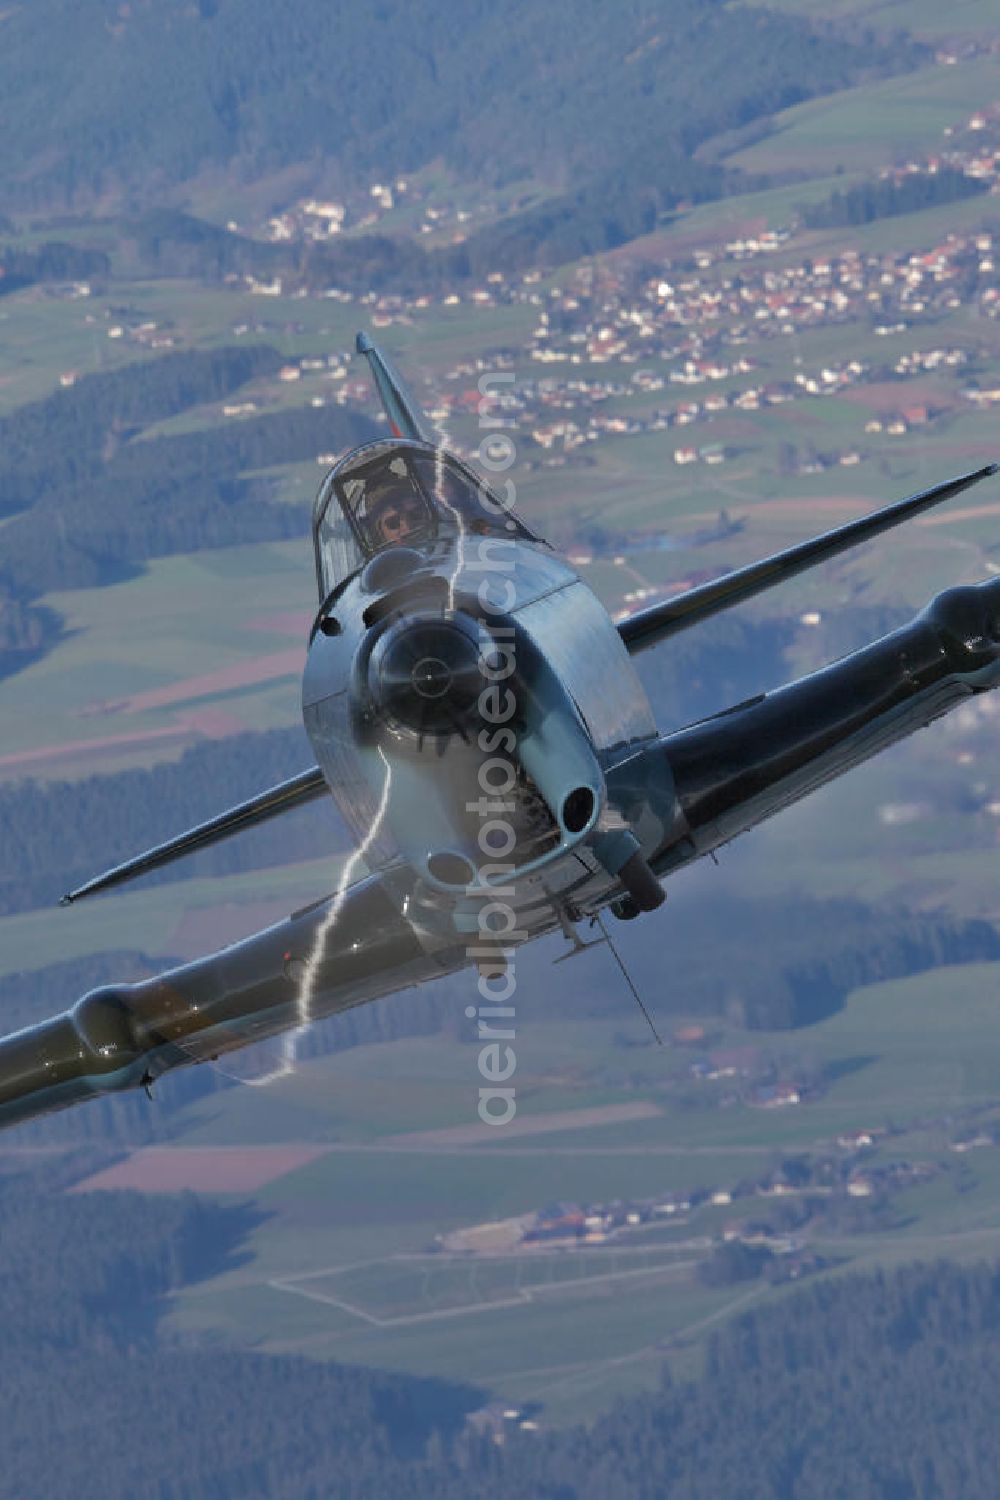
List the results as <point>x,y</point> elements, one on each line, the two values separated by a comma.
<point>146,391</point>
<point>96,1401</point>
<point>244,89</point>
<point>877,1387</point>
<point>881,1386</point>
<point>54,834</point>
<point>887,196</point>
<point>67,436</point>
<point>88,503</point>
<point>166,494</point>
<point>54,261</point>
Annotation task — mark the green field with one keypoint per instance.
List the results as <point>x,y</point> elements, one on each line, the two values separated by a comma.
<point>875,125</point>
<point>344,1265</point>
<point>183,618</point>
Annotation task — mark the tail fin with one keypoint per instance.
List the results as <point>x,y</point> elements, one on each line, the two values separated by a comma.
<point>405,417</point>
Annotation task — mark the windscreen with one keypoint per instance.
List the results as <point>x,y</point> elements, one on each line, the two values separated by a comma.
<point>462,498</point>
<point>393,494</point>
<point>386,504</point>
<point>338,554</point>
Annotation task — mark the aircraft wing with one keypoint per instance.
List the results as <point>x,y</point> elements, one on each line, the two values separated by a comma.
<point>277,799</point>
<point>735,769</point>
<point>650,626</point>
<point>341,951</point>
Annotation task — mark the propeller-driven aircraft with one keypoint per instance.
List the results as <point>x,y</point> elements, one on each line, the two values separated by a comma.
<point>477,717</point>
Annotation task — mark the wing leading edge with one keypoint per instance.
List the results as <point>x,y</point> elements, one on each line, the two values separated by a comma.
<point>650,626</point>
<point>277,799</point>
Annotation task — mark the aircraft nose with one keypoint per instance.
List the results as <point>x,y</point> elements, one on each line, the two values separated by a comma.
<point>426,673</point>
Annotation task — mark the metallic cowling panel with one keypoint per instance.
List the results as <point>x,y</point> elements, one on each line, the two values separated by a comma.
<point>407,789</point>
<point>328,722</point>
<point>510,572</point>
<point>586,653</point>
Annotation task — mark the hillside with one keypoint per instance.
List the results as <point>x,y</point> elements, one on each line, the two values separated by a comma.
<point>100,97</point>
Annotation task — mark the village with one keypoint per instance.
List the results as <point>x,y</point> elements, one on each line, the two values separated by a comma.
<point>630,345</point>
<point>688,333</point>
<point>686,326</point>
<point>687,340</point>
<point>782,1213</point>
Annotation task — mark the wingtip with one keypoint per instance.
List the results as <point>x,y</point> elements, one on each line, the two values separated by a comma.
<point>66,900</point>
<point>362,342</point>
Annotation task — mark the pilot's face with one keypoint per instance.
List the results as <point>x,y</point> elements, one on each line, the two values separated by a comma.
<point>397,518</point>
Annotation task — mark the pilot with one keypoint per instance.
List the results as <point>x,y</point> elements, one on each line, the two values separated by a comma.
<point>395,513</point>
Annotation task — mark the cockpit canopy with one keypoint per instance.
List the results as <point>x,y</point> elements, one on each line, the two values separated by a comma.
<point>399,492</point>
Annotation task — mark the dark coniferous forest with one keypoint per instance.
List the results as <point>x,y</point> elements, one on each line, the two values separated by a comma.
<point>255,87</point>
<point>88,504</point>
<point>883,1387</point>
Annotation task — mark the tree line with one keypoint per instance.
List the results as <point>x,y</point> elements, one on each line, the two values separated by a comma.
<point>52,261</point>
<point>55,835</point>
<point>166,495</point>
<point>88,504</point>
<point>879,1387</point>
<point>885,197</point>
<point>97,1400</point>
<point>63,436</point>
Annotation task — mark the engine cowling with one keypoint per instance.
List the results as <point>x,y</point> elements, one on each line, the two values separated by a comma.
<point>470,723</point>
<point>426,673</point>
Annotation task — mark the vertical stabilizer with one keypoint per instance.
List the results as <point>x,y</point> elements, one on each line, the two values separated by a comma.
<point>405,417</point>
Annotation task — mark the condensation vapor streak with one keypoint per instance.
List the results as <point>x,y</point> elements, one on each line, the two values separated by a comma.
<point>459,519</point>
<point>304,1001</point>
<point>306,995</point>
